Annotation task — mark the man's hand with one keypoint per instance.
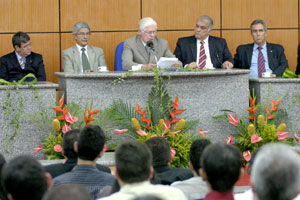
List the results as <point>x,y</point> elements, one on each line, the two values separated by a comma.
<point>149,66</point>
<point>193,65</point>
<point>88,70</point>
<point>177,64</point>
<point>227,65</point>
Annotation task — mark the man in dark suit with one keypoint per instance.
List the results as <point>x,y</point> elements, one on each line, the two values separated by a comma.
<point>202,50</point>
<point>298,61</point>
<point>269,56</point>
<point>14,66</point>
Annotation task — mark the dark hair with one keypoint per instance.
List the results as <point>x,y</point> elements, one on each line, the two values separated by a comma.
<point>90,142</point>
<point>160,149</point>
<point>222,164</point>
<point>24,178</point>
<point>148,197</point>
<point>67,192</point>
<point>196,151</point>
<point>259,21</point>
<point>19,38</point>
<point>69,139</point>
<point>133,161</point>
<point>3,195</point>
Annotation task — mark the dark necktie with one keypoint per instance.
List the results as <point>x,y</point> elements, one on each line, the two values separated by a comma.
<point>260,62</point>
<point>202,56</point>
<point>84,59</point>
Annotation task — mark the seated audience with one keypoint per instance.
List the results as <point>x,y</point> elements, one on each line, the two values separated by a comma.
<point>161,156</point>
<point>67,192</point>
<point>276,173</point>
<point>89,148</point>
<point>134,171</point>
<point>138,55</point>
<point>25,178</point>
<point>203,50</point>
<point>69,139</point>
<point>82,57</point>
<point>260,56</point>
<point>148,197</point>
<point>17,64</point>
<point>195,187</point>
<point>221,168</point>
<point>3,195</point>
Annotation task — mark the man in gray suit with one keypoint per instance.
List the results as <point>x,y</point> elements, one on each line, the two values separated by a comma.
<point>82,57</point>
<point>138,54</point>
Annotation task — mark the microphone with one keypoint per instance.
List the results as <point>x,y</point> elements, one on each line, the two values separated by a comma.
<point>151,47</point>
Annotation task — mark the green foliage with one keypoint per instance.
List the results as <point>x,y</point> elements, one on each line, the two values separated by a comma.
<point>49,143</point>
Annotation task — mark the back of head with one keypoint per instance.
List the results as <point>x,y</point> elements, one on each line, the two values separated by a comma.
<point>67,192</point>
<point>222,165</point>
<point>90,142</point>
<point>19,38</point>
<point>145,22</point>
<point>148,197</point>
<point>78,26</point>
<point>69,139</point>
<point>24,178</point>
<point>196,151</point>
<point>160,149</point>
<point>276,172</point>
<point>133,162</point>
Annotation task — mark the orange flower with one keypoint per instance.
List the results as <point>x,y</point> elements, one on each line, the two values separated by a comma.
<point>39,148</point>
<point>89,118</point>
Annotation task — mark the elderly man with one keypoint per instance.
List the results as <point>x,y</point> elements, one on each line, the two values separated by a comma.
<point>202,50</point>
<point>82,57</point>
<point>139,54</point>
<point>260,56</point>
<point>14,66</point>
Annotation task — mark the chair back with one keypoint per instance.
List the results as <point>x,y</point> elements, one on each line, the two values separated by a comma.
<point>118,57</point>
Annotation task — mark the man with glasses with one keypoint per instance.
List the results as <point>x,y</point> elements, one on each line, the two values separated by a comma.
<point>203,50</point>
<point>139,53</point>
<point>82,57</point>
<point>14,66</point>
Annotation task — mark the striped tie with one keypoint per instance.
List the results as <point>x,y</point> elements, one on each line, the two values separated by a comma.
<point>202,56</point>
<point>260,62</point>
<point>22,62</point>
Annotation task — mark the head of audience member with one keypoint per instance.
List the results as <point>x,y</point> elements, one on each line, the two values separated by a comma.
<point>276,173</point>
<point>81,32</point>
<point>259,31</point>
<point>148,197</point>
<point>195,154</point>
<point>25,178</point>
<point>221,166</point>
<point>203,27</point>
<point>133,167</point>
<point>67,192</point>
<point>160,149</point>
<point>22,44</point>
<point>147,29</point>
<point>90,143</point>
<point>2,191</point>
<point>69,139</point>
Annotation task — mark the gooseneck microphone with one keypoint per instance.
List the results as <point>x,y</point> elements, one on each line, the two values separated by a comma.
<point>151,47</point>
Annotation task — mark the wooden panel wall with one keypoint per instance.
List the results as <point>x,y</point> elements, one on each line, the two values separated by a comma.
<point>50,22</point>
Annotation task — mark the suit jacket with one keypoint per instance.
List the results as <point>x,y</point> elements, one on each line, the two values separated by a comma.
<point>169,175</point>
<point>61,168</point>
<point>186,50</point>
<point>135,53</point>
<point>72,63</point>
<point>276,58</point>
<point>11,70</point>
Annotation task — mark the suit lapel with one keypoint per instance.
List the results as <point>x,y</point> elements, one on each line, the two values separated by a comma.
<point>193,47</point>
<point>141,48</point>
<point>212,50</point>
<point>76,56</point>
<point>249,54</point>
<point>270,56</point>
<point>15,61</point>
<point>91,55</point>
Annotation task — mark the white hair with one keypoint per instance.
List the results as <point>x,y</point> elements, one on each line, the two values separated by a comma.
<point>145,22</point>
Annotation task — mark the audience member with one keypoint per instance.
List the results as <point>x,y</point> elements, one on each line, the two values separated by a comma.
<point>160,149</point>
<point>148,197</point>
<point>69,139</point>
<point>298,61</point>
<point>221,168</point>
<point>82,57</point>
<point>276,173</point>
<point>67,192</point>
<point>134,171</point>
<point>15,65</point>
<point>138,55</point>
<point>203,50</point>
<point>3,195</point>
<point>25,178</point>
<point>195,187</point>
<point>89,148</point>
<point>260,56</point>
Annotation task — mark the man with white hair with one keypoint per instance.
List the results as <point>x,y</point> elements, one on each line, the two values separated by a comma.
<point>139,54</point>
<point>276,173</point>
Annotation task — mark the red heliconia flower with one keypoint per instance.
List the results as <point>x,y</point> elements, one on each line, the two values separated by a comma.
<point>93,112</point>
<point>66,128</point>
<point>37,149</point>
<point>175,104</point>
<point>142,133</point>
<point>229,139</point>
<point>57,148</point>
<point>255,138</point>
<point>297,138</point>
<point>70,119</point>
<point>60,104</point>
<point>104,148</point>
<point>64,112</point>
<point>172,153</point>
<point>139,110</point>
<point>282,135</point>
<point>89,118</point>
<point>119,131</point>
<point>247,155</point>
<point>147,121</point>
<point>233,120</point>
<point>201,132</point>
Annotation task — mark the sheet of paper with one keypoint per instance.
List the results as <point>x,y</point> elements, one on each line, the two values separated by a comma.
<point>166,62</point>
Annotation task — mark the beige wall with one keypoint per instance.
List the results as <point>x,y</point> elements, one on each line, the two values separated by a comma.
<point>49,23</point>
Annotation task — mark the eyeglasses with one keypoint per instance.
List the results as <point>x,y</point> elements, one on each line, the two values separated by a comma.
<point>202,27</point>
<point>150,32</point>
<point>84,34</point>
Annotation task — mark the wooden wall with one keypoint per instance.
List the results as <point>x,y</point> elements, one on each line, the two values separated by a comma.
<point>49,23</point>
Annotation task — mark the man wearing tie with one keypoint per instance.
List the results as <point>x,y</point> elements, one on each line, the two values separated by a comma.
<point>82,57</point>
<point>202,50</point>
<point>14,66</point>
<point>260,56</point>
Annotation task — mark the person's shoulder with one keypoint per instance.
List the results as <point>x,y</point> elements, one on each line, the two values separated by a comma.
<point>97,49</point>
<point>274,46</point>
<point>244,46</point>
<point>69,50</point>
<point>103,168</point>
<point>8,56</point>
<point>132,39</point>
<point>35,55</point>
<point>63,178</point>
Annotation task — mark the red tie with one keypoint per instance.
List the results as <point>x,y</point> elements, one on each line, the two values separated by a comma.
<point>202,56</point>
<point>260,62</point>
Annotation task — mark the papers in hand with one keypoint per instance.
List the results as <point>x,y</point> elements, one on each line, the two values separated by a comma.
<point>166,62</point>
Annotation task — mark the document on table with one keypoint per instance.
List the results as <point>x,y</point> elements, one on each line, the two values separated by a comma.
<point>166,62</point>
